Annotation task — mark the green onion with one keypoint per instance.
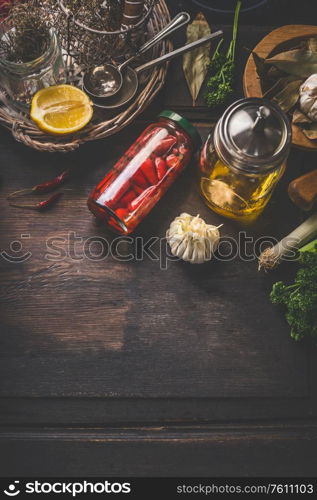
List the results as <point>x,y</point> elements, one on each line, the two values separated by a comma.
<point>271,257</point>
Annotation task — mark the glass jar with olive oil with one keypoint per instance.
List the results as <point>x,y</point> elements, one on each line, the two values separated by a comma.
<point>244,157</point>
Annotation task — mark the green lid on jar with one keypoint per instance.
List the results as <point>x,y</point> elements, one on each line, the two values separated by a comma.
<point>185,125</point>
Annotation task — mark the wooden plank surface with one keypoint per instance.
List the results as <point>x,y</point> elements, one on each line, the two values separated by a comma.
<point>273,450</point>
<point>104,327</point>
<point>88,342</point>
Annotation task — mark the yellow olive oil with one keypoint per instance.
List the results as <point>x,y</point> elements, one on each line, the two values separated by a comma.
<point>237,195</point>
<point>244,157</point>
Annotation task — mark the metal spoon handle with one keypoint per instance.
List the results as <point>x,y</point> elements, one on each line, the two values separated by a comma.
<point>181,19</point>
<point>177,22</point>
<point>181,50</point>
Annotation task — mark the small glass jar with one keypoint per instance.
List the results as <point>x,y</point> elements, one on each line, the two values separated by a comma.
<point>244,157</point>
<point>144,173</point>
<point>22,80</point>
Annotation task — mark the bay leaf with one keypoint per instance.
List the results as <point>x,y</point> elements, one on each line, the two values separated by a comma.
<point>300,117</point>
<point>301,63</point>
<point>259,64</point>
<point>195,62</point>
<point>312,44</point>
<point>310,130</point>
<point>279,85</point>
<point>274,73</point>
<point>288,96</point>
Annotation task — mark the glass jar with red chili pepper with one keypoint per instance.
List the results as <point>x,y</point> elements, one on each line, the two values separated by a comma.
<point>144,173</point>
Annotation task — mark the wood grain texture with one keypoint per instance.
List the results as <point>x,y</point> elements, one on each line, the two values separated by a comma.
<point>276,41</point>
<point>269,450</point>
<point>121,367</point>
<point>130,329</point>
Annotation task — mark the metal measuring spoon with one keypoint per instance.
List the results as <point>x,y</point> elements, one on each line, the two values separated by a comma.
<point>131,76</point>
<point>106,80</point>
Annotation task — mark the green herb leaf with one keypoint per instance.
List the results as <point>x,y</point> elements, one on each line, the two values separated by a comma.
<point>195,62</point>
<point>300,298</point>
<point>301,63</point>
<point>219,86</point>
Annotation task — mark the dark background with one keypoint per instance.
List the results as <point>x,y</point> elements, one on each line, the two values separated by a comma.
<point>274,12</point>
<point>111,368</point>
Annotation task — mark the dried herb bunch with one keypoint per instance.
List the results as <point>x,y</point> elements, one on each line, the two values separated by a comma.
<point>103,15</point>
<point>290,79</point>
<point>32,19</point>
<point>28,34</point>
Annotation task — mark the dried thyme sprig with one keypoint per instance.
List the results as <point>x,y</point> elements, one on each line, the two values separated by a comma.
<point>103,15</point>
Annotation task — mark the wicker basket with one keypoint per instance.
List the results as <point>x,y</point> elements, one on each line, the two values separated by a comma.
<point>26,132</point>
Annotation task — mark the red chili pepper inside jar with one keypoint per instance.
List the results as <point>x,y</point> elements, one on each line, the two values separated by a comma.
<point>145,172</point>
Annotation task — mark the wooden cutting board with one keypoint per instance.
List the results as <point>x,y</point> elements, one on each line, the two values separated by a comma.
<point>278,40</point>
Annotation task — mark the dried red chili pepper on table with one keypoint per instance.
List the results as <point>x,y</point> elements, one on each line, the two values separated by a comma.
<point>44,187</point>
<point>48,186</point>
<point>40,206</point>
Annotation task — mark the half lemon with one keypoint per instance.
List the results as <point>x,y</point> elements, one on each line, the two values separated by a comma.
<point>61,109</point>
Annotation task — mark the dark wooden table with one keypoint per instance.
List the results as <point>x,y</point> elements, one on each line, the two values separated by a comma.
<point>112,367</point>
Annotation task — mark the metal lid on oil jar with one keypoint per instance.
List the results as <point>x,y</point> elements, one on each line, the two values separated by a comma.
<point>253,135</point>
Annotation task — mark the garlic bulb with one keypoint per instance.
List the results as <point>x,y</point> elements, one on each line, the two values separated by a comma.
<point>191,239</point>
<point>308,97</point>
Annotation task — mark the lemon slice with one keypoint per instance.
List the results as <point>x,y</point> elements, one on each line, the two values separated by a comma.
<point>61,109</point>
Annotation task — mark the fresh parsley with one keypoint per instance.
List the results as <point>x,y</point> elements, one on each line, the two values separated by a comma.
<point>221,66</point>
<point>300,298</point>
